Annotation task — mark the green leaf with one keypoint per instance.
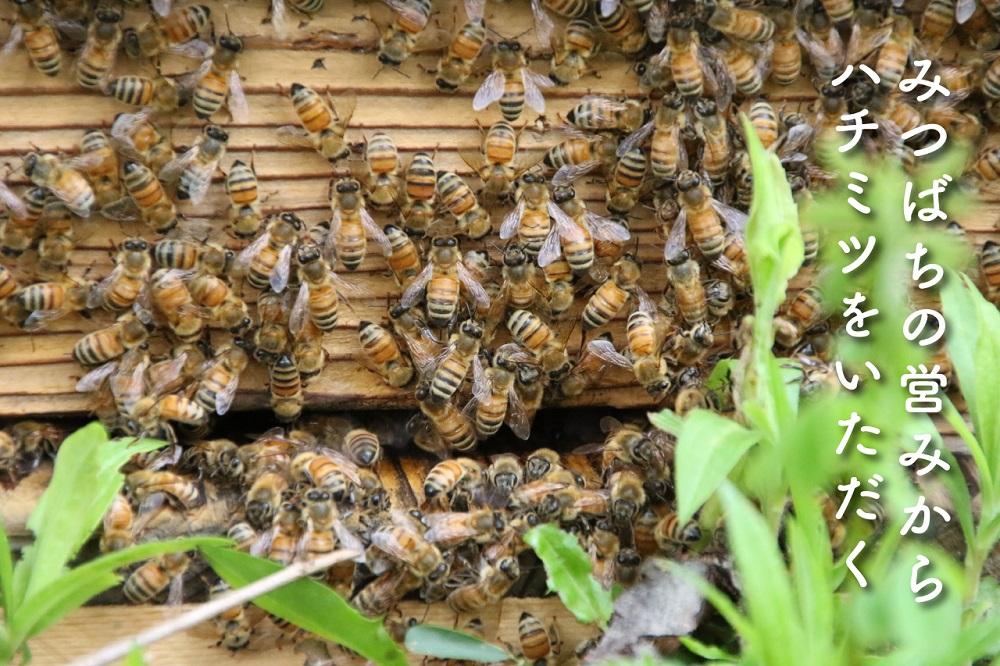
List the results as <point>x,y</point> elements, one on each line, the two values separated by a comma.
<point>713,652</point>
<point>708,447</point>
<point>667,421</point>
<point>72,589</point>
<point>445,643</point>
<point>812,574</point>
<point>767,590</point>
<point>84,482</point>
<point>975,352</point>
<point>6,574</point>
<point>135,657</point>
<point>309,605</point>
<point>568,569</point>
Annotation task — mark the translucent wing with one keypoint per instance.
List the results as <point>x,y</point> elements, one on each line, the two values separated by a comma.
<point>15,37</point>
<point>416,288</point>
<point>169,372</point>
<point>510,223</point>
<point>375,233</point>
<point>38,319</point>
<point>384,541</point>
<point>490,91</point>
<point>797,138</point>
<point>199,182</point>
<point>605,229</point>
<point>279,276</point>
<point>297,318</point>
<point>564,224</point>
<point>865,40</point>
<point>239,108</point>
<point>551,249</point>
<point>410,11</point>
<point>93,379</point>
<point>278,18</point>
<point>12,201</point>
<point>567,173</point>
<point>446,526</point>
<point>482,382</point>
<point>635,139</point>
<point>123,210</point>
<point>475,9</point>
<point>173,169</point>
<point>964,9</point>
<point>196,49</point>
<point>475,289</point>
<point>677,236</point>
<point>224,398</point>
<point>532,95</point>
<point>543,23</point>
<point>246,255</point>
<point>347,539</point>
<point>175,594</point>
<point>604,350</point>
<point>161,7</point>
<point>608,7</point>
<point>736,220</point>
<point>330,242</point>
<point>518,419</point>
<point>292,135</point>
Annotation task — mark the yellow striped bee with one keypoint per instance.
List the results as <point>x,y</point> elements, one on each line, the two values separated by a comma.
<point>624,25</point>
<point>35,27</point>
<point>177,32</point>
<point>382,181</point>
<point>646,333</point>
<point>441,281</point>
<point>97,58</point>
<point>323,123</point>
<point>613,294</point>
<point>41,303</point>
<point>352,225</point>
<point>286,389</point>
<point>572,51</point>
<point>739,23</point>
<point>127,282</point>
<point>63,180</point>
<point>24,212</point>
<point>511,83</point>
<point>530,220</point>
<point>218,81</point>
<point>245,216</point>
<point>267,261</point>
<point>497,163</point>
<point>455,65</point>
<point>418,209</point>
<point>195,168</point>
<point>319,293</point>
<point>405,33</point>
<point>575,230</point>
<point>455,361</point>
<point>219,381</point>
<point>497,401</point>
<point>704,216</point>
<point>456,195</point>
<point>154,577</point>
<point>130,331</point>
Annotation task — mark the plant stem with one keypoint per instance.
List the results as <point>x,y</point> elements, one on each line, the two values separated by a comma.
<point>208,610</point>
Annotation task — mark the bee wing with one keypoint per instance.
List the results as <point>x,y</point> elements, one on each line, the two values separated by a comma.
<point>123,210</point>
<point>330,242</point>
<point>475,289</point>
<point>964,9</point>
<point>608,7</point>
<point>224,398</point>
<point>518,419</point>
<point>262,543</point>
<point>383,540</point>
<point>375,233</point>
<point>173,169</point>
<point>512,220</point>
<point>490,91</point>
<point>567,173</point>
<point>643,300</point>
<point>736,220</point>
<point>543,22</point>
<point>551,249</point>
<point>408,10</point>
<point>243,259</point>
<point>93,379</point>
<point>822,58</point>
<point>171,370</point>
<point>175,594</point>
<point>482,382</point>
<point>605,350</point>
<point>239,108</point>
<point>292,135</point>
<point>798,137</point>
<point>278,18</point>
<point>677,236</point>
<point>863,41</point>
<point>38,319</point>
<point>297,319</point>
<point>279,276</point>
<point>446,526</point>
<point>12,201</point>
<point>564,224</point>
<point>199,184</point>
<point>475,9</point>
<point>161,7</point>
<point>412,293</point>
<point>348,540</point>
<point>196,49</point>
<point>635,139</point>
<point>605,229</point>
<point>532,95</point>
<point>15,37</point>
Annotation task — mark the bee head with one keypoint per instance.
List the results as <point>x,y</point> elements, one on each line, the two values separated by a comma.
<point>231,43</point>
<point>347,185</point>
<point>472,329</point>
<point>514,255</point>
<point>563,194</point>
<point>292,219</point>
<point>108,15</point>
<point>297,88</point>
<point>135,245</point>
<point>308,253</point>
<point>688,180</point>
<point>217,133</point>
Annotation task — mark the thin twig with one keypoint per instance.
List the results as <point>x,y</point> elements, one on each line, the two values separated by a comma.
<point>210,609</point>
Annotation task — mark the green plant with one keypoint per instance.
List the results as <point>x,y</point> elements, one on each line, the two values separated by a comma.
<point>569,574</point>
<point>40,590</point>
<point>444,643</point>
<point>309,605</point>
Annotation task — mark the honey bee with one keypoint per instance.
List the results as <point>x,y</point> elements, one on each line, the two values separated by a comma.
<point>35,27</point>
<point>267,261</point>
<point>989,267</point>
<point>614,293</point>
<point>126,283</point>
<point>682,58</point>
<point>154,577</point>
<point>624,25</point>
<point>582,153</point>
<point>560,290</point>
<point>739,23</point>
<point>195,168</point>
<point>218,384</point>
<point>97,58</point>
<point>497,163</point>
<point>585,372</point>
<point>382,354</point>
<point>420,342</point>
<point>606,114</point>
<point>62,180</point>
<point>137,138</point>
<point>801,313</point>
<point>320,515</point>
<point>218,82</point>
<point>173,301</point>
<point>245,216</point>
<point>689,294</point>
<point>646,335</point>
<point>624,186</point>
<point>270,338</point>
<point>411,549</point>
<point>279,12</point>
<point>572,51</point>
<point>667,155</point>
<point>456,360</point>
<point>176,32</point>
<point>497,401</point>
<point>382,180</point>
<point>894,55</point>
<point>441,280</point>
<point>937,22</point>
<point>530,387</point>
<point>152,414</point>
<point>530,219</point>
<point>379,596</point>
<point>451,529</point>
<point>519,288</point>
<point>505,472</point>
<point>444,427</point>
<point>669,532</point>
<point>146,194</point>
<point>451,476</point>
<point>144,486</point>
<point>627,495</point>
<point>118,524</point>
<point>455,65</point>
<point>404,261</point>
<point>324,125</point>
<point>319,292</point>
<point>233,625</point>
<point>38,305</point>
<point>575,231</point>
<point>24,212</point>
<point>326,469</point>
<point>263,502</point>
<point>744,65</point>
<point>511,83</point>
<point>786,58</point>
<point>214,457</point>
<point>160,94</point>
<point>405,34</point>
<point>494,581</point>
<point>528,330</point>
<point>704,216</point>
<point>456,195</point>
<point>418,210</point>
<point>286,389</point>
<point>129,332</point>
<point>822,43</point>
<point>351,225</point>
<point>540,463</point>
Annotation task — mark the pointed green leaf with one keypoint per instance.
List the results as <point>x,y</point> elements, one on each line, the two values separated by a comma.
<point>445,643</point>
<point>135,657</point>
<point>569,574</point>
<point>708,447</point>
<point>309,605</point>
<point>667,421</point>
<point>705,651</point>
<point>6,574</point>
